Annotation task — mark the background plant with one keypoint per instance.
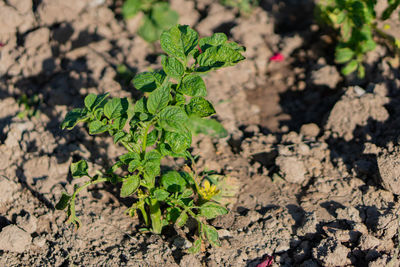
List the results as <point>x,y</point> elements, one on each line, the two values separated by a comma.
<point>30,106</point>
<point>154,127</point>
<point>157,17</point>
<point>355,22</point>
<point>244,6</point>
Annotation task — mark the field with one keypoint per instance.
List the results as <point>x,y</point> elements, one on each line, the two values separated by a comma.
<point>313,157</point>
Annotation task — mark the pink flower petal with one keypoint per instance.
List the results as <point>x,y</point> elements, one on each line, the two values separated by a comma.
<point>1,44</point>
<point>278,57</point>
<point>198,47</point>
<point>267,262</point>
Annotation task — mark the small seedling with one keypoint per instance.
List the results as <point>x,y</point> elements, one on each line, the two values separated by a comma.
<point>156,126</point>
<point>356,23</point>
<point>30,106</point>
<point>157,17</point>
<point>245,7</point>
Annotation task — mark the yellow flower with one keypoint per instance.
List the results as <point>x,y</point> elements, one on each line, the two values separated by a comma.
<point>208,190</point>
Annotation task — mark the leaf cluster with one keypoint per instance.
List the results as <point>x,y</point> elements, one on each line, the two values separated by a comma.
<point>157,17</point>
<point>156,126</point>
<point>355,22</point>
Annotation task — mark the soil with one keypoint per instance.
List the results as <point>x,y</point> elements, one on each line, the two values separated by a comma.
<point>315,155</point>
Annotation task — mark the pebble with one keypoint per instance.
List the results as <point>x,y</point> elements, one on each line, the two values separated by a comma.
<point>14,239</point>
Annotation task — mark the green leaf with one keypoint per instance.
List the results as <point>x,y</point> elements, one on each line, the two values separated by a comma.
<point>119,123</point>
<point>173,181</point>
<point>350,67</point>
<point>79,169</point>
<point>217,57</point>
<point>205,126</point>
<point>199,106</point>
<point>195,248</point>
<point>116,108</point>
<point>173,119</point>
<point>188,192</point>
<point>97,127</point>
<point>158,99</point>
<point>163,16</point>
<point>211,210</point>
<point>193,85</point>
<point>130,185</point>
<point>172,214</point>
<point>132,159</point>
<point>73,117</point>
<point>140,105</point>
<point>160,194</point>
<point>216,39</point>
<point>178,142</point>
<point>172,67</point>
<point>148,81</point>
<point>179,41</point>
<point>131,8</point>
<point>152,164</point>
<point>343,55</point>
<point>63,202</point>
<point>149,30</point>
<point>152,137</point>
<point>182,219</point>
<point>92,101</point>
<point>212,235</point>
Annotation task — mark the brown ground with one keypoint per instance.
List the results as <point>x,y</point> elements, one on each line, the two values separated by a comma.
<point>316,156</point>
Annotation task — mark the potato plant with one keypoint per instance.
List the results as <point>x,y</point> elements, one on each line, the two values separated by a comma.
<point>156,126</point>
<point>356,22</point>
<point>157,17</point>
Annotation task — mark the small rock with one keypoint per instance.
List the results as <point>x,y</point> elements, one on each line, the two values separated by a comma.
<point>7,190</point>
<point>27,222</point>
<point>309,130</point>
<point>14,239</point>
<point>190,260</point>
<point>389,169</point>
<point>327,76</point>
<point>292,168</point>
<point>37,38</point>
<point>39,241</point>
<point>331,253</point>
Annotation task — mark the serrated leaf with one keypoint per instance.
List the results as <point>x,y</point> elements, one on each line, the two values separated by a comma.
<point>119,136</point>
<point>173,118</point>
<point>160,194</point>
<point>79,169</point>
<point>132,159</point>
<point>188,192</point>
<point>212,235</point>
<point>172,67</point>
<point>148,81</point>
<point>179,41</point>
<point>73,117</point>
<point>196,246</point>
<point>173,182</point>
<point>216,39</point>
<point>130,185</point>
<point>350,67</point>
<point>93,101</point>
<point>158,99</point>
<point>131,8</point>
<point>206,126</point>
<point>211,210</point>
<point>199,106</point>
<point>193,85</point>
<point>178,142</point>
<point>217,57</point>
<point>152,137</point>
<point>97,127</point>
<point>140,105</point>
<point>182,219</point>
<point>152,163</point>
<point>343,55</point>
<point>63,202</point>
<point>116,107</point>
